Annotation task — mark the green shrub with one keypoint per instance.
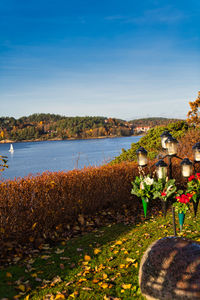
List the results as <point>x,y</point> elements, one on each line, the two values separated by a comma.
<point>151,141</point>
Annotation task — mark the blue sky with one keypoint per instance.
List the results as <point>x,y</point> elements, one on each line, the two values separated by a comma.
<point>124,59</point>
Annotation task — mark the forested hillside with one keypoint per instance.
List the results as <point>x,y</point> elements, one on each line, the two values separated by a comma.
<point>151,141</point>
<point>152,122</point>
<point>51,126</point>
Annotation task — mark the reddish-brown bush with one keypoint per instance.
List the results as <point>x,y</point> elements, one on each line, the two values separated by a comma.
<point>35,206</point>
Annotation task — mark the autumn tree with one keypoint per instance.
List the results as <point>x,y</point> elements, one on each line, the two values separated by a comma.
<point>193,116</point>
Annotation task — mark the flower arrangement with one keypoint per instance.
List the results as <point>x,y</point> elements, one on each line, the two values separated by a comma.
<point>164,188</point>
<point>193,186</point>
<point>143,187</point>
<point>182,203</point>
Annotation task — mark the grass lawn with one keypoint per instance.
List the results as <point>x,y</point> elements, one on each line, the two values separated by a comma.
<point>103,264</point>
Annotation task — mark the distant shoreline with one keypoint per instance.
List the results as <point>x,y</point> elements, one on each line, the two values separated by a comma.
<point>69,139</point>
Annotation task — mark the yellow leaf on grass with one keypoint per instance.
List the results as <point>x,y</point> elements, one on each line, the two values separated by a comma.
<point>45,256</point>
<point>82,279</point>
<point>126,286</point>
<point>74,294</point>
<point>8,274</point>
<point>87,257</point>
<point>115,252</point>
<point>59,251</point>
<point>95,280</point>
<point>130,259</point>
<point>26,298</point>
<point>96,251</point>
<point>104,285</point>
<point>105,276</point>
<point>34,225</point>
<point>34,275</point>
<point>59,297</point>
<point>121,266</point>
<point>21,287</point>
<point>118,243</point>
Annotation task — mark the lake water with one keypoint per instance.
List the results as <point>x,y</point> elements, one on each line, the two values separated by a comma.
<point>37,157</point>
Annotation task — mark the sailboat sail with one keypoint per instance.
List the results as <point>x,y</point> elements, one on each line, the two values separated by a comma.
<point>11,148</point>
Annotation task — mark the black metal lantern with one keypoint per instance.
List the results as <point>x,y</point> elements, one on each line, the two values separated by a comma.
<point>186,167</point>
<point>196,151</point>
<point>171,145</point>
<point>161,169</point>
<point>141,157</point>
<point>164,136</point>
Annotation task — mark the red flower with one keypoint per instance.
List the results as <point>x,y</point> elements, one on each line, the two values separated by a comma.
<point>191,177</point>
<point>184,198</point>
<point>189,195</point>
<point>163,194</point>
<point>198,175</point>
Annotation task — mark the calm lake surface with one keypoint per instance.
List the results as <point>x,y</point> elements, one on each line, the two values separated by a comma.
<point>37,157</point>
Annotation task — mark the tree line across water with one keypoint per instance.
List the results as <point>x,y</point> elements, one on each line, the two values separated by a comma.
<point>51,126</point>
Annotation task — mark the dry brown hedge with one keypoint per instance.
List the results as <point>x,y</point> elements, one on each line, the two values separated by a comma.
<point>32,206</point>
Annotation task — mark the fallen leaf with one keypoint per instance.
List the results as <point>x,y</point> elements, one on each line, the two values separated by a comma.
<point>126,286</point>
<point>96,251</point>
<point>56,280</point>
<point>34,225</point>
<point>95,280</point>
<point>82,279</point>
<point>45,257</point>
<point>105,276</point>
<point>118,243</point>
<point>130,259</point>
<point>136,265</point>
<point>8,274</point>
<point>21,287</point>
<point>59,251</point>
<point>121,266</point>
<point>59,297</point>
<point>87,257</point>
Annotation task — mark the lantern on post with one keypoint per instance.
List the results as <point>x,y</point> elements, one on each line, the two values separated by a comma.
<point>161,169</point>
<point>164,136</point>
<point>171,145</point>
<point>141,157</point>
<point>186,167</point>
<point>196,152</point>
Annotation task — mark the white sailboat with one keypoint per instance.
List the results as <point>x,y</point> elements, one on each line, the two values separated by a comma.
<point>11,148</point>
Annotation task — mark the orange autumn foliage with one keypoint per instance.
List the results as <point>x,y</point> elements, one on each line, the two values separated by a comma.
<point>38,206</point>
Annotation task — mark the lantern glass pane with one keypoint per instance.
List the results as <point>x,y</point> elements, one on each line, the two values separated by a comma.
<point>161,172</point>
<point>172,148</point>
<point>142,159</point>
<point>186,170</point>
<point>196,155</point>
<point>163,140</point>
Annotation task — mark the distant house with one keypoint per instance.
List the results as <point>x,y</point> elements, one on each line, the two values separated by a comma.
<point>141,129</point>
